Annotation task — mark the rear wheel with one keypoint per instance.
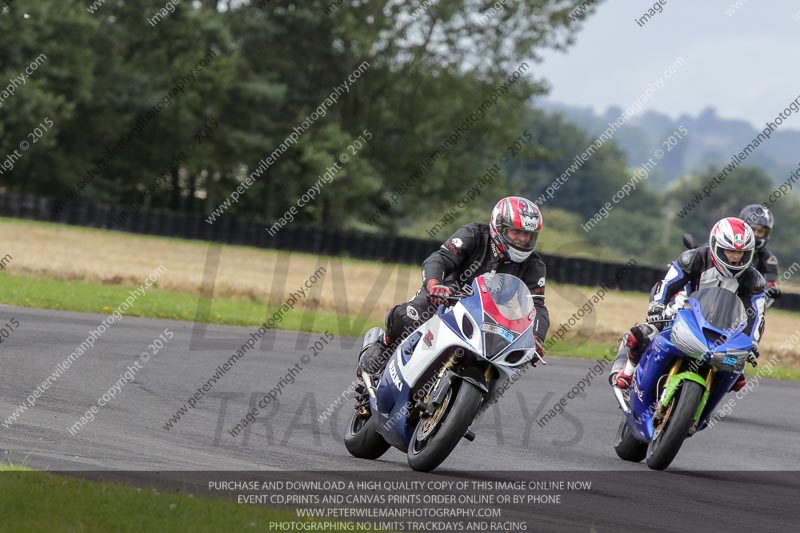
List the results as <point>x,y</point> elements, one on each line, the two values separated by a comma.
<point>362,439</point>
<point>438,435</point>
<point>628,447</point>
<point>669,436</point>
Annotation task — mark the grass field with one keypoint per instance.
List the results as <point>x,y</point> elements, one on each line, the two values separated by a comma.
<point>83,269</point>
<point>63,267</point>
<point>38,501</point>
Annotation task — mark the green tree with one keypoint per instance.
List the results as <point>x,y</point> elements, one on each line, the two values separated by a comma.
<point>431,68</point>
<point>744,186</point>
<point>52,39</point>
<point>588,185</point>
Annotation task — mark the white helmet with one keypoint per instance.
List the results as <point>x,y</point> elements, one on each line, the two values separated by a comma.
<point>731,234</point>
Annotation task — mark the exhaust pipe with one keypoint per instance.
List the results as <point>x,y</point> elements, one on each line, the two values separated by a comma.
<point>623,404</point>
<point>368,382</point>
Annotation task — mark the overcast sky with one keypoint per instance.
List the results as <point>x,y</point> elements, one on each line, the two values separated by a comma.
<point>744,65</point>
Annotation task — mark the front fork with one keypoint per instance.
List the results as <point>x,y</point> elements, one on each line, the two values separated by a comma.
<point>673,381</point>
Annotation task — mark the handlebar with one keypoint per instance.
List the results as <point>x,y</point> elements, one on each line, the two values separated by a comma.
<point>455,296</point>
<point>451,300</point>
<point>660,320</point>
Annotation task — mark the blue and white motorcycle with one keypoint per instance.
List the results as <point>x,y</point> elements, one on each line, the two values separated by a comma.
<point>682,376</point>
<point>437,379</point>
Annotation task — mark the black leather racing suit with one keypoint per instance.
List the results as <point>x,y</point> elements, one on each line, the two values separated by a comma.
<point>767,264</point>
<point>463,257</point>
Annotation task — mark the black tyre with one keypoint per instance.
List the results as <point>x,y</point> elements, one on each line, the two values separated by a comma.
<point>628,447</point>
<point>430,447</point>
<point>669,437</point>
<point>362,440</point>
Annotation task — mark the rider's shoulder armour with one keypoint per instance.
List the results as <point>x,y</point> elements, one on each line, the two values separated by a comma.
<point>758,283</point>
<point>692,260</point>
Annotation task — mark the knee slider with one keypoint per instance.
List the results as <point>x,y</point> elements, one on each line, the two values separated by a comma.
<point>638,338</point>
<point>372,357</point>
<point>392,320</point>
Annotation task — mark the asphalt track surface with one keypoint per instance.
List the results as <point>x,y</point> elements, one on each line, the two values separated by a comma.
<point>727,477</point>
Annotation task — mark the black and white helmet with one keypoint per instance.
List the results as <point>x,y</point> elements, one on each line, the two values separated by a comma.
<point>757,215</point>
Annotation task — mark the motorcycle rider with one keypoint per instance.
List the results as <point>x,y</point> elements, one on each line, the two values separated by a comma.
<point>761,222</point>
<point>505,245</point>
<point>726,261</point>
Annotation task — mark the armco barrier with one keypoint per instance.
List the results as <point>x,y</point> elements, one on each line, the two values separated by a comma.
<point>317,241</point>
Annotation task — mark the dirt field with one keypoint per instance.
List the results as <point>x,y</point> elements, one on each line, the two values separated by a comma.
<point>68,253</point>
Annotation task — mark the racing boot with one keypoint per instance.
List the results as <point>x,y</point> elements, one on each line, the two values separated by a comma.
<point>739,383</point>
<point>632,346</point>
<point>624,377</point>
<point>372,357</point>
<point>755,353</point>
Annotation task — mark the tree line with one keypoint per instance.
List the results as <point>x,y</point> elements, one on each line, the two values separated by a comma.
<point>444,98</point>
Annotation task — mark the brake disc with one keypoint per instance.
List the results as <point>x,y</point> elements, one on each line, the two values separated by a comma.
<point>430,423</point>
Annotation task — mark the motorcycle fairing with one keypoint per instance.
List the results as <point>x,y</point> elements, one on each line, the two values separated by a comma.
<point>662,353</point>
<point>430,346</point>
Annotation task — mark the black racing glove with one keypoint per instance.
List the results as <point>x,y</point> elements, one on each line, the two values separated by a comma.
<point>774,292</point>
<point>655,312</point>
<point>754,354</point>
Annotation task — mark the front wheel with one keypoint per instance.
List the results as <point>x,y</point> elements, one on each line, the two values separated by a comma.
<point>438,435</point>
<point>670,435</point>
<point>362,440</point>
<point>628,447</point>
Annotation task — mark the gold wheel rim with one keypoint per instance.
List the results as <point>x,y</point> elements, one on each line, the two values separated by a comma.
<point>430,423</point>
<point>664,419</point>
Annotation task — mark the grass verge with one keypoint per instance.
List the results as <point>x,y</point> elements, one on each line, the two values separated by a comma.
<point>239,274</point>
<point>39,501</point>
<point>590,349</point>
<point>175,305</point>
<point>159,303</point>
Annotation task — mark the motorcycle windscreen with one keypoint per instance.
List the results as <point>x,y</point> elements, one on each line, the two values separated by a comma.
<point>508,310</point>
<point>721,308</point>
<point>496,338</point>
